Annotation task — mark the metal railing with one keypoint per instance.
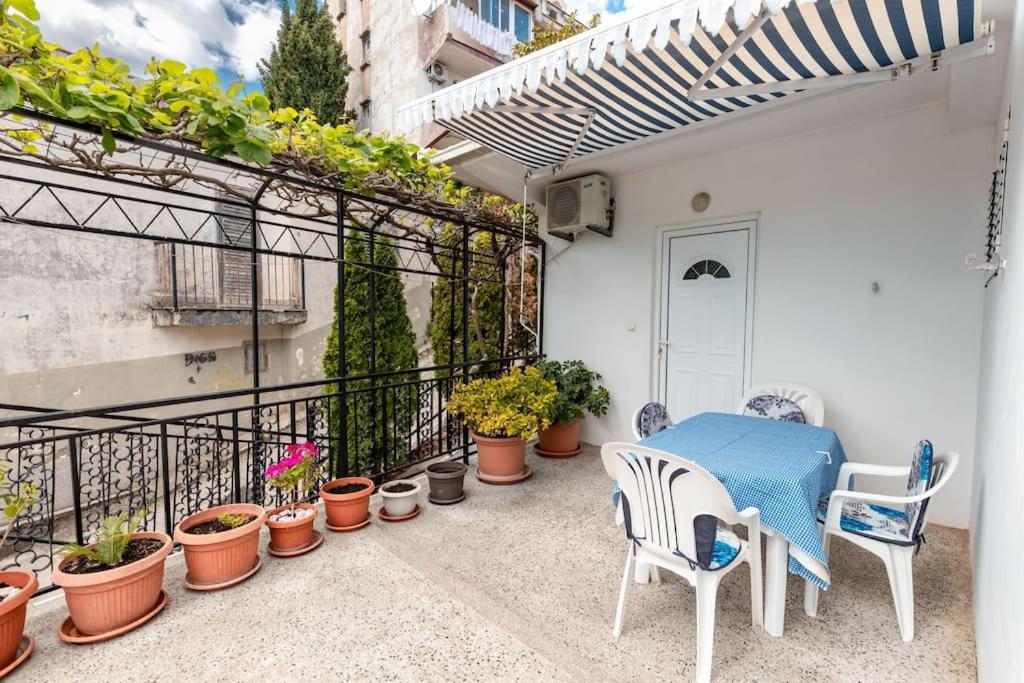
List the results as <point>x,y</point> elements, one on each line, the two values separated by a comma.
<point>209,278</point>
<point>87,465</point>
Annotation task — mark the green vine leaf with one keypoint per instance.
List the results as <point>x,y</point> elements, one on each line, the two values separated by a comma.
<point>109,144</point>
<point>9,91</point>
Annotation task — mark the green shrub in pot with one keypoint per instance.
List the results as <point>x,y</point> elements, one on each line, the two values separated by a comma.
<point>579,393</point>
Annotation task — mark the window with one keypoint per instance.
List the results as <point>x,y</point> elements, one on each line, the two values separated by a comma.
<point>706,267</point>
<point>495,12</point>
<point>365,40</point>
<point>522,24</point>
<point>365,114</point>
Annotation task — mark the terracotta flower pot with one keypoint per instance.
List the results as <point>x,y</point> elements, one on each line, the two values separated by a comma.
<point>347,509</point>
<point>291,534</point>
<point>222,557</point>
<point>500,458</point>
<point>107,600</point>
<point>446,482</point>
<point>561,439</point>
<point>12,612</point>
<point>400,503</point>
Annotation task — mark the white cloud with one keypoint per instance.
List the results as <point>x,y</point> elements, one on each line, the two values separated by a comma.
<point>221,34</point>
<point>588,7</point>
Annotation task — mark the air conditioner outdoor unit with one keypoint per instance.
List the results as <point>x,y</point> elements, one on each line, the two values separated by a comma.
<point>579,203</point>
<point>437,73</point>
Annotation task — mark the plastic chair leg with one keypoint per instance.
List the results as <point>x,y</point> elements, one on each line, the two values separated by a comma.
<point>811,590</point>
<point>623,591</point>
<point>902,583</point>
<point>707,593</point>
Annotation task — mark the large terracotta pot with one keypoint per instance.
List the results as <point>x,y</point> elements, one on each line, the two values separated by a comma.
<point>345,510</point>
<point>291,534</point>
<point>220,558</point>
<point>500,458</point>
<point>12,612</point>
<point>561,439</point>
<point>107,600</point>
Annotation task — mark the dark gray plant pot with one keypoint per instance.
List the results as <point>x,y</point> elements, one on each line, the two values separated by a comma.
<point>446,479</point>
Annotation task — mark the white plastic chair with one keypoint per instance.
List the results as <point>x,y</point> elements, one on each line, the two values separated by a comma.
<point>650,418</point>
<point>662,497</point>
<point>899,523</point>
<point>808,400</point>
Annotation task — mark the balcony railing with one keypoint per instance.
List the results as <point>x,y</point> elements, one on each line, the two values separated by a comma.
<point>207,278</point>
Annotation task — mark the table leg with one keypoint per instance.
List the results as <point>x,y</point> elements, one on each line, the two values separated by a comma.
<point>776,569</point>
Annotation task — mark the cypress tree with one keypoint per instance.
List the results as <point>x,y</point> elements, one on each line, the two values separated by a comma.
<point>307,67</point>
<point>379,420</point>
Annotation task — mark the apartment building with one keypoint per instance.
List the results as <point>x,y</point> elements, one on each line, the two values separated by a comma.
<point>403,49</point>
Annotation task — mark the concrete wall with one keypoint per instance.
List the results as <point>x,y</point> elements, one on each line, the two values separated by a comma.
<point>996,540</point>
<point>898,200</point>
<point>76,314</point>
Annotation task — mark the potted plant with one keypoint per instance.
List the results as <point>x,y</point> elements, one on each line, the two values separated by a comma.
<point>17,586</point>
<point>503,412</point>
<point>347,503</point>
<point>291,524</point>
<point>400,500</point>
<point>114,584</point>
<point>221,545</point>
<point>446,481</point>
<point>578,393</point>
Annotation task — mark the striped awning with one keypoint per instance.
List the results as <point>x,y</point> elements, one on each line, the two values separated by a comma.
<point>692,61</point>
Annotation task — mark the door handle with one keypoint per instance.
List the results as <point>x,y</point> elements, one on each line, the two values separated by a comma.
<point>662,345</point>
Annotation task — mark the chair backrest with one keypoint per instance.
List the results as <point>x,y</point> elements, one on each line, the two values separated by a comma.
<point>776,402</point>
<point>669,504</point>
<point>650,418</point>
<point>928,475</point>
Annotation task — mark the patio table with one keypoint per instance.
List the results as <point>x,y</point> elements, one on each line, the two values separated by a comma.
<point>782,469</point>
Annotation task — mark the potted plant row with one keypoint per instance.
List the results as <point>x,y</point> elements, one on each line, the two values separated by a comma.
<point>502,413</point>
<point>578,394</point>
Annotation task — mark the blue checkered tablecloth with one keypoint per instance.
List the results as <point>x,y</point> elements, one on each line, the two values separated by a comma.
<point>781,468</point>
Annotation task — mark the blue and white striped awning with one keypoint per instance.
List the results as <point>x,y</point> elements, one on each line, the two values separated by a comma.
<point>689,62</point>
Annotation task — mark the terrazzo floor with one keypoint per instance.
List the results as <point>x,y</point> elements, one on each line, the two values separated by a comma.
<point>518,583</point>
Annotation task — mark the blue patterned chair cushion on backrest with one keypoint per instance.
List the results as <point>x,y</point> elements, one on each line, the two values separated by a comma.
<point>774,408</point>
<point>652,419</point>
<point>918,481</point>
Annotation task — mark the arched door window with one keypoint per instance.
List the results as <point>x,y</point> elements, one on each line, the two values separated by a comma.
<point>710,267</point>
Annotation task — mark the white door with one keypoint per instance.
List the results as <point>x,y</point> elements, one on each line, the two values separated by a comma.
<point>706,305</point>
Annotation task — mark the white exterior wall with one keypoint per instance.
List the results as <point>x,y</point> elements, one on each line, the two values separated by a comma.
<point>898,200</point>
<point>996,540</point>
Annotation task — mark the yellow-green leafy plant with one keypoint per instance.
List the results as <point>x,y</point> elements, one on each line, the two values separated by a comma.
<point>111,540</point>
<point>514,405</point>
<point>232,521</point>
<point>17,497</point>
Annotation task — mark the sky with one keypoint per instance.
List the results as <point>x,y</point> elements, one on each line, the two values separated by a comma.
<point>229,36</point>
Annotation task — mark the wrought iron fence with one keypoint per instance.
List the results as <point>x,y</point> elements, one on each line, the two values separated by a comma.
<point>176,455</point>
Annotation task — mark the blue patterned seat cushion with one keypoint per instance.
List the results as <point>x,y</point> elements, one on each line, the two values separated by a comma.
<point>652,419</point>
<point>918,480</point>
<point>874,521</point>
<point>774,408</point>
<point>727,547</point>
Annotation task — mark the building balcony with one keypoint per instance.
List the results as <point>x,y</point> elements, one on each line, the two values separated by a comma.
<point>202,285</point>
<point>516,583</point>
<point>457,36</point>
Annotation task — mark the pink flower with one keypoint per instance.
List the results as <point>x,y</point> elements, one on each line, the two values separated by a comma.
<point>297,453</point>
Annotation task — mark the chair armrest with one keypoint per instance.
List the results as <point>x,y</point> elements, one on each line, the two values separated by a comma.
<point>849,469</point>
<point>752,519</point>
<point>835,504</point>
